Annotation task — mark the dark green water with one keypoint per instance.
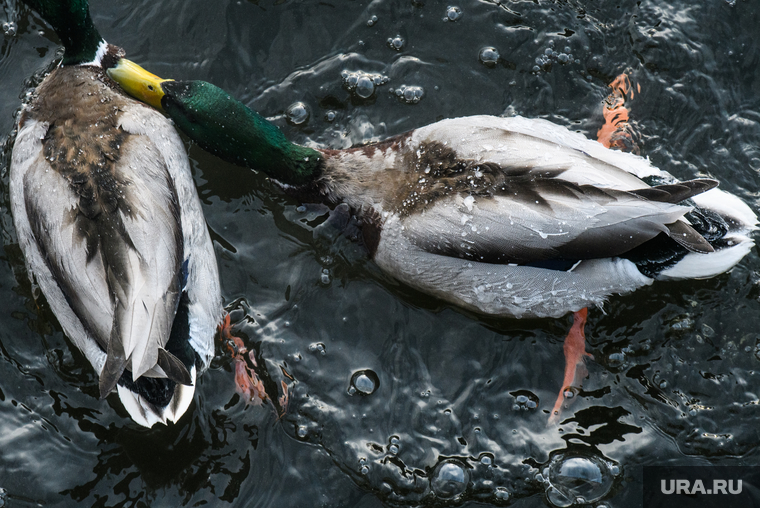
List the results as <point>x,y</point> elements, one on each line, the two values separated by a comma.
<point>676,376</point>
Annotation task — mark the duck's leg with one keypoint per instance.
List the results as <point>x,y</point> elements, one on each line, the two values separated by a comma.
<point>247,382</point>
<point>616,133</point>
<point>575,367</point>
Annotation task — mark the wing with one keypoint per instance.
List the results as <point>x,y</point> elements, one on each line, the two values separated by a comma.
<point>528,221</point>
<point>490,191</point>
<point>522,143</point>
<point>115,255</point>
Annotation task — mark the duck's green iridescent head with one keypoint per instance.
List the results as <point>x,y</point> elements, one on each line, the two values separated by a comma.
<point>72,22</point>
<point>221,124</point>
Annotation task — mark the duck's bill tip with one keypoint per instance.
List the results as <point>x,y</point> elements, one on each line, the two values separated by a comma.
<point>137,82</point>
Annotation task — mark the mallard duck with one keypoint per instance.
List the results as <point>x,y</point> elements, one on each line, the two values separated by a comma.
<point>111,227</point>
<point>502,216</point>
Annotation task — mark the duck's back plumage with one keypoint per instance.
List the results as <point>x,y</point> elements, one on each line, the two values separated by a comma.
<point>109,221</point>
<point>523,217</point>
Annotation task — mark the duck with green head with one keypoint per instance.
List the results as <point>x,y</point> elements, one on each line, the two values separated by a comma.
<point>111,227</point>
<point>502,216</point>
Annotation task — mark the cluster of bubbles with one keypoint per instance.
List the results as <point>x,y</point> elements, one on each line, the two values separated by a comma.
<point>575,478</point>
<point>10,28</point>
<point>396,42</point>
<point>324,277</point>
<point>394,444</point>
<point>551,56</point>
<point>362,84</point>
<point>453,13</point>
<point>525,401</point>
<point>363,382</point>
<point>318,347</point>
<point>489,56</point>
<point>371,21</point>
<point>409,94</point>
<point>297,113</point>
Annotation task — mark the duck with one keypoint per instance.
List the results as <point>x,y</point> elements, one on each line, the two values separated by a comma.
<point>502,216</point>
<point>111,228</point>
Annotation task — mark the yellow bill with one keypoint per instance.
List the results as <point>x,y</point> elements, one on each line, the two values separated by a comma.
<point>138,82</point>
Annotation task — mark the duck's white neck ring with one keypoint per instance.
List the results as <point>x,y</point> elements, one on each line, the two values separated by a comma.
<point>99,54</point>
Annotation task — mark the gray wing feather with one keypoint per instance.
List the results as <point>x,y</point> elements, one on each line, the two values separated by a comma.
<point>586,224</point>
<point>128,291</point>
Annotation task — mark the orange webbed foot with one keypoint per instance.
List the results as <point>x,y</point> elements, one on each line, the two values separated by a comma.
<point>247,382</point>
<point>575,366</point>
<point>617,131</point>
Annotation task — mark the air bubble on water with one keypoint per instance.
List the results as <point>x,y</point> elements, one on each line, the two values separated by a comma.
<point>396,43</point>
<point>324,277</point>
<point>409,94</point>
<point>616,359</point>
<point>10,28</point>
<point>449,479</point>
<point>524,400</point>
<point>558,498</point>
<point>365,87</point>
<point>297,113</point>
<point>489,56</point>
<point>301,432</point>
<point>363,382</point>
<point>330,116</point>
<point>486,459</point>
<point>371,21</point>
<point>453,13</point>
<point>362,84</point>
<point>501,493</point>
<point>577,476</point>
<point>317,347</point>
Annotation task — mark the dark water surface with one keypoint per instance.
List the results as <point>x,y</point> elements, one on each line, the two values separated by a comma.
<point>459,408</point>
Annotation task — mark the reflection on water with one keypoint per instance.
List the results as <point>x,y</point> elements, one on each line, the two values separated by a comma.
<point>392,397</point>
